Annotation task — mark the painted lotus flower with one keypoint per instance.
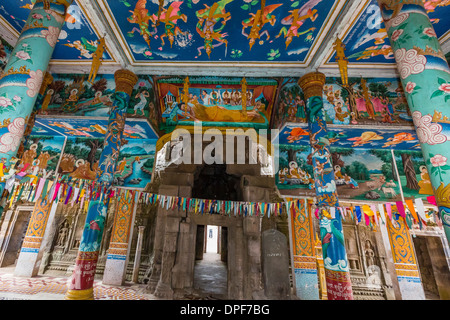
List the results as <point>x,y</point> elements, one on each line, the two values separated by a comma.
<point>409,62</point>
<point>445,87</point>
<point>10,141</point>
<point>396,34</point>
<point>410,87</point>
<point>438,160</point>
<point>22,55</point>
<point>429,32</point>
<point>5,102</point>
<point>37,16</point>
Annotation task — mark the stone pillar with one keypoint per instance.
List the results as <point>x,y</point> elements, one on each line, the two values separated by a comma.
<point>137,256</point>
<point>425,77</point>
<point>117,258</point>
<point>404,257</point>
<point>82,280</point>
<point>305,262</point>
<point>30,254</point>
<point>25,70</point>
<point>335,259</point>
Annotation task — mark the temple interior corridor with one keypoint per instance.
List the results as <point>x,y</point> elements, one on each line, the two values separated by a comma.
<point>225,150</point>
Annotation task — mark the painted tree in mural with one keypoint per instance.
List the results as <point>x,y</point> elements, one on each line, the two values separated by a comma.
<point>349,95</point>
<point>388,168</point>
<point>409,169</point>
<point>338,153</point>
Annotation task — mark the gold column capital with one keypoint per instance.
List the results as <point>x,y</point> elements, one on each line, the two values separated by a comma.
<point>125,80</point>
<point>312,84</point>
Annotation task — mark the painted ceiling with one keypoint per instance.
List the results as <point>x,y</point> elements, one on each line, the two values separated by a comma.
<point>366,39</point>
<point>150,49</point>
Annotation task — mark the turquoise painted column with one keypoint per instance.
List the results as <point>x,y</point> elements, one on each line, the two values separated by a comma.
<point>335,260</point>
<point>82,280</point>
<point>25,70</point>
<point>425,77</point>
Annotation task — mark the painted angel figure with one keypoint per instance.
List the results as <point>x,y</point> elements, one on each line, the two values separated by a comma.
<point>295,20</point>
<point>257,21</point>
<point>207,19</point>
<point>141,17</point>
<point>170,18</point>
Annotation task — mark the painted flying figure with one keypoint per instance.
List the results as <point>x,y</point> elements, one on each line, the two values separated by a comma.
<point>170,17</point>
<point>141,17</point>
<point>207,18</point>
<point>86,47</point>
<point>257,21</point>
<point>296,19</point>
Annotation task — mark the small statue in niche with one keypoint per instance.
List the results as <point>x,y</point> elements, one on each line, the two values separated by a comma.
<point>370,254</point>
<point>62,235</point>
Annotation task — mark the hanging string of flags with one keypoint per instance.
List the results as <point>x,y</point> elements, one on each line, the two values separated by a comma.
<point>79,191</point>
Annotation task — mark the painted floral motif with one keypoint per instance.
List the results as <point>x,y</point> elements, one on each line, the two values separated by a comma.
<point>438,160</point>
<point>439,164</point>
<point>6,104</point>
<point>51,35</point>
<point>396,34</point>
<point>34,82</point>
<point>443,89</point>
<point>409,62</point>
<point>10,141</point>
<point>427,132</point>
<point>22,55</point>
<point>411,88</point>
<point>429,32</point>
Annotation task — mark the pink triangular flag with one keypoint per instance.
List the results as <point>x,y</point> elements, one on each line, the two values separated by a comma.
<point>401,208</point>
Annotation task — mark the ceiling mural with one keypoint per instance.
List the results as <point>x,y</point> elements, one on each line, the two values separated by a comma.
<point>224,30</point>
<point>78,39</point>
<point>366,40</point>
<point>202,36</point>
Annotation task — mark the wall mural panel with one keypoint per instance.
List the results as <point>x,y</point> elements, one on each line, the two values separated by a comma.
<point>72,147</point>
<point>217,101</point>
<point>73,94</point>
<point>362,161</point>
<point>368,101</point>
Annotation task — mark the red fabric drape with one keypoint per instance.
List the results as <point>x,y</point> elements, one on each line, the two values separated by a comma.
<point>166,88</point>
<point>267,92</point>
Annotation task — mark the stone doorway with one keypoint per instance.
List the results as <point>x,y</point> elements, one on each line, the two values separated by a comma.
<point>15,224</point>
<point>434,269</point>
<point>210,268</point>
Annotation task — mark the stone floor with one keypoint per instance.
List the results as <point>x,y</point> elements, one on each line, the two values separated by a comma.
<point>210,277</point>
<point>54,288</point>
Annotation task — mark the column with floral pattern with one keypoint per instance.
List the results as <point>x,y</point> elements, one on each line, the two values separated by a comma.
<point>337,271</point>
<point>25,70</point>
<point>82,280</point>
<point>425,76</point>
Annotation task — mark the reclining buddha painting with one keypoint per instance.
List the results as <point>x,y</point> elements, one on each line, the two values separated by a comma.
<point>217,101</point>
